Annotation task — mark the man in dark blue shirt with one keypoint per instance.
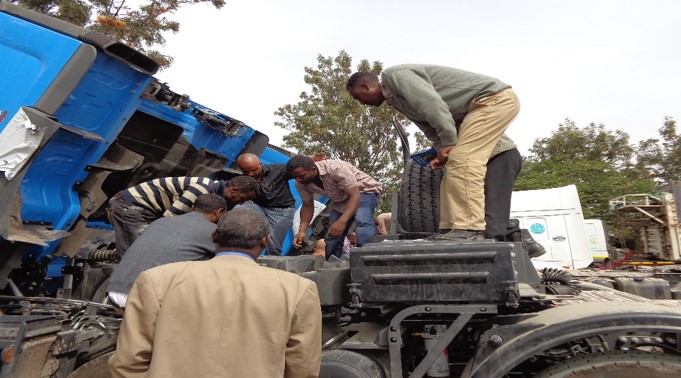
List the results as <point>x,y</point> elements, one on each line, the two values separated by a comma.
<point>274,198</point>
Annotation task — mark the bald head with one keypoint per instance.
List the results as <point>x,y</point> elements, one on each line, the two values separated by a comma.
<point>250,165</point>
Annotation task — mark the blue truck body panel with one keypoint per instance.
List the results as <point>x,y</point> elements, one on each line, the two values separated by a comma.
<point>32,58</point>
<point>105,108</point>
<point>104,100</point>
<point>197,134</point>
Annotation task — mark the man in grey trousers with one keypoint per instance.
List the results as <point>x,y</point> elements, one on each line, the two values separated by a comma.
<point>186,237</point>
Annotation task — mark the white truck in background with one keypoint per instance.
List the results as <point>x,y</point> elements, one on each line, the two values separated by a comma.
<point>597,238</point>
<point>555,219</point>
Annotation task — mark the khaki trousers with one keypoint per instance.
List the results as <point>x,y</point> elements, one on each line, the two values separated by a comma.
<point>462,194</point>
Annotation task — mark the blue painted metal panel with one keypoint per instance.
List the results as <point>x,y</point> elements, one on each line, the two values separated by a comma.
<point>101,104</point>
<point>199,135</point>
<point>55,266</point>
<point>272,156</point>
<point>32,57</point>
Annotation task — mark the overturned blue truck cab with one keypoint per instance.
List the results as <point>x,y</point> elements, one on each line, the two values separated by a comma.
<point>82,117</point>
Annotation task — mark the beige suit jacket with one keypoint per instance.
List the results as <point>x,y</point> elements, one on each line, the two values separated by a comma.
<point>225,317</point>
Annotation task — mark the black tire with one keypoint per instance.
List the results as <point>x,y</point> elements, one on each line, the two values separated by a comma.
<point>618,364</point>
<point>341,363</point>
<point>419,205</point>
<point>95,368</point>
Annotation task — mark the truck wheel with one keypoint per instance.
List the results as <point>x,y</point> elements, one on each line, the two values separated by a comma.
<point>341,363</point>
<point>617,365</point>
<point>95,368</point>
<point>419,205</point>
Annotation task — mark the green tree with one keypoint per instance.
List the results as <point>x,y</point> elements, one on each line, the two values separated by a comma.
<point>598,161</point>
<point>327,119</point>
<point>661,157</point>
<point>141,28</point>
<point>593,142</point>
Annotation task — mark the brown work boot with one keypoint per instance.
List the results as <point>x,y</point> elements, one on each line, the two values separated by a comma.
<point>461,235</point>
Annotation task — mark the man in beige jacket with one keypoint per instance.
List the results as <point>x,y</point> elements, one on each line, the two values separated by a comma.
<point>225,317</point>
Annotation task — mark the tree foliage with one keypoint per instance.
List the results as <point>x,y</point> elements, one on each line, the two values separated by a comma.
<point>141,28</point>
<point>601,163</point>
<point>593,142</point>
<point>327,119</point>
<point>662,157</point>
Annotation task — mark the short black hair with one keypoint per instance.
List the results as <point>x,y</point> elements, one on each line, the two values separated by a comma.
<point>361,77</point>
<point>209,203</point>
<point>300,161</point>
<point>241,228</point>
<point>245,184</point>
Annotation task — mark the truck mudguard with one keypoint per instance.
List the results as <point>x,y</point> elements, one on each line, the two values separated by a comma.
<point>605,327</point>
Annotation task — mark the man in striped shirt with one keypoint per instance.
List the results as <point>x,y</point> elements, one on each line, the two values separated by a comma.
<point>131,210</point>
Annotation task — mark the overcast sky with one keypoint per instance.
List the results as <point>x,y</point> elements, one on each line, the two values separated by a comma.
<point>613,62</point>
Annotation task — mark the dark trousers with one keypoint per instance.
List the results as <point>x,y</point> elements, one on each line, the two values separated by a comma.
<point>502,170</point>
<point>128,222</point>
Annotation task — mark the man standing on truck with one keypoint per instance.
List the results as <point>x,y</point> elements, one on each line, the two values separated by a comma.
<point>353,193</point>
<point>133,209</point>
<point>465,115</point>
<point>225,317</point>
<point>186,237</point>
<point>274,197</point>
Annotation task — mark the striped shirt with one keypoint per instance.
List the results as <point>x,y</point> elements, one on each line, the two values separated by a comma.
<point>169,196</point>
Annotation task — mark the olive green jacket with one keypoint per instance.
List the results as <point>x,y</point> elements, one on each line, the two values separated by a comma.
<point>436,98</point>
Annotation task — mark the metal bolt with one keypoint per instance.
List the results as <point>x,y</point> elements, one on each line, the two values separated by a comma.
<point>635,340</point>
<point>647,339</point>
<point>496,340</point>
<point>658,340</point>
<point>428,309</point>
<point>622,339</point>
<point>483,309</point>
<point>393,340</point>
